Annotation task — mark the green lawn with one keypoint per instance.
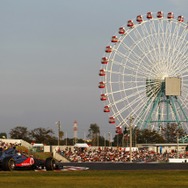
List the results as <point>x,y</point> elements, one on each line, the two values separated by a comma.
<point>95,179</point>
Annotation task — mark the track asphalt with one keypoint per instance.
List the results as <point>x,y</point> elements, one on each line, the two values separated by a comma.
<point>130,166</point>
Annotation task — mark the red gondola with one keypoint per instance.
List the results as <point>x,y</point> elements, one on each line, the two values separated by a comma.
<point>103,97</point>
<point>121,30</point>
<point>114,39</point>
<point>102,72</point>
<point>101,85</point>
<point>180,19</point>
<point>119,130</point>
<point>139,19</point>
<point>149,15</point>
<point>108,49</point>
<point>106,109</point>
<point>170,15</point>
<point>104,60</point>
<point>130,24</point>
<point>160,14</point>
<point>112,120</point>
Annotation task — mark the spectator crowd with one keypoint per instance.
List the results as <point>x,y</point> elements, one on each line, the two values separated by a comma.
<point>109,154</point>
<point>4,146</point>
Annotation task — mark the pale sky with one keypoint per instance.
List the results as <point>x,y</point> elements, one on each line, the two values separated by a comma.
<point>50,52</point>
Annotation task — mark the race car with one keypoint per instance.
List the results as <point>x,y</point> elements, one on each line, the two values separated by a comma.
<point>11,159</point>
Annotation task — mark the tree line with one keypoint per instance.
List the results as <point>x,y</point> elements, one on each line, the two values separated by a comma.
<point>47,136</point>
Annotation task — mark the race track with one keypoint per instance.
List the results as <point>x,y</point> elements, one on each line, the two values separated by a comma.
<point>130,166</point>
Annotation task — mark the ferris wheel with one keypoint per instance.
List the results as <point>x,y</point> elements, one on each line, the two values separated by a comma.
<point>144,72</point>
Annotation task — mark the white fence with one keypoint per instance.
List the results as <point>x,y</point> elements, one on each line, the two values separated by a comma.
<point>177,160</point>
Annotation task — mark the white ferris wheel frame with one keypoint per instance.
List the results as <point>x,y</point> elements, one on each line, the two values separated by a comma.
<point>153,49</point>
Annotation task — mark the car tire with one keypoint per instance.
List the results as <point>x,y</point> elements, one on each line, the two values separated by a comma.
<point>8,164</point>
<point>50,164</point>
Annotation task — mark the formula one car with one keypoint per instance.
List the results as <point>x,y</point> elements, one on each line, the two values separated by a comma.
<point>11,159</point>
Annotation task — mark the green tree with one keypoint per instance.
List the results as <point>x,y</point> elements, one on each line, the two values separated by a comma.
<point>94,133</point>
<point>70,141</point>
<point>170,133</point>
<point>20,132</point>
<point>149,136</point>
<point>3,135</point>
<point>42,135</point>
<point>61,134</point>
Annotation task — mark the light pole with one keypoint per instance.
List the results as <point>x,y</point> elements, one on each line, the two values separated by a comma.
<point>104,139</point>
<point>58,127</point>
<point>66,139</point>
<point>177,135</point>
<point>75,129</point>
<point>130,129</point>
<point>109,137</point>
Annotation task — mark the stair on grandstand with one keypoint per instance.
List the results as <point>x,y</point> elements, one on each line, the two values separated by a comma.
<point>59,157</point>
<point>17,142</point>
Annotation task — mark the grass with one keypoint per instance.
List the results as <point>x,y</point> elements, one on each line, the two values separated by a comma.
<point>38,155</point>
<point>95,179</point>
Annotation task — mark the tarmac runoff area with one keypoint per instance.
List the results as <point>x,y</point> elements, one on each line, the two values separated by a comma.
<point>125,166</point>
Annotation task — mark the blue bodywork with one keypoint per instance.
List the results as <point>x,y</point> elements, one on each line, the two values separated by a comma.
<point>12,152</point>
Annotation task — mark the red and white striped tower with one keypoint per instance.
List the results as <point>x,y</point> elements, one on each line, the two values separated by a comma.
<point>75,130</point>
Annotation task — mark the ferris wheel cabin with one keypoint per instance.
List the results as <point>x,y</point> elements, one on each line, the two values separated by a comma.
<point>139,19</point>
<point>114,39</point>
<point>160,14</point>
<point>112,120</point>
<point>122,31</point>
<point>101,85</point>
<point>119,130</point>
<point>104,61</point>
<point>103,97</point>
<point>106,109</point>
<point>149,15</point>
<point>130,24</point>
<point>102,72</point>
<point>108,49</point>
<point>170,15</point>
<point>180,19</point>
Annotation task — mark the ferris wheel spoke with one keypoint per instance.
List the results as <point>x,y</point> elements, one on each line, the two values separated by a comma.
<point>180,52</point>
<point>167,43</point>
<point>126,59</point>
<point>175,39</point>
<point>134,55</point>
<point>140,49</point>
<point>132,103</point>
<point>182,69</point>
<point>151,39</point>
<point>179,58</point>
<point>145,44</point>
<point>183,56</point>
<point>133,95</point>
